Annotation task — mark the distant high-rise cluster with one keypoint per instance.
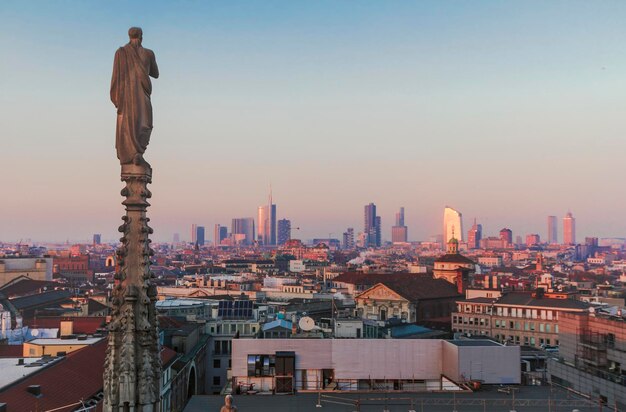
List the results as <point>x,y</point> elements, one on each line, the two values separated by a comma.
<point>284,231</point>
<point>452,225</point>
<point>552,230</point>
<point>474,236</point>
<point>372,229</point>
<point>569,229</point>
<point>399,232</point>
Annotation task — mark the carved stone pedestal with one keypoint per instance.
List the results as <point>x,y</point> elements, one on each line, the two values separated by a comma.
<point>133,364</point>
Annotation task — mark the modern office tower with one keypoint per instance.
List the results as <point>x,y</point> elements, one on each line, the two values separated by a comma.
<point>284,231</point>
<point>220,233</point>
<point>267,223</point>
<point>379,232</point>
<point>552,230</point>
<point>194,233</point>
<point>242,231</point>
<point>569,229</point>
<point>474,236</point>
<point>452,225</point>
<point>506,235</point>
<point>533,239</point>
<point>198,235</point>
<point>371,226</point>
<point>399,232</point>
<point>176,238</point>
<point>348,239</point>
<point>97,239</point>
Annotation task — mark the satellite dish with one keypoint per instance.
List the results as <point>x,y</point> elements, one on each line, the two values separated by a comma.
<point>306,323</point>
<point>34,332</point>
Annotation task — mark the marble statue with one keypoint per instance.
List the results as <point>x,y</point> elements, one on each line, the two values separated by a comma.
<point>130,93</point>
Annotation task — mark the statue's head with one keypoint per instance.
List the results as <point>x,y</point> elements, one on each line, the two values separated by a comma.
<point>228,400</point>
<point>135,33</point>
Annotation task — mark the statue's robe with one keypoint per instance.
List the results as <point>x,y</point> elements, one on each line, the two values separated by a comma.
<point>130,93</point>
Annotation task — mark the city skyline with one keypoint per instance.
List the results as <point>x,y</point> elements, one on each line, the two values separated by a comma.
<point>343,86</point>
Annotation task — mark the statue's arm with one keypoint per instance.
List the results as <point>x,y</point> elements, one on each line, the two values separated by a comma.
<point>115,79</point>
<point>154,69</point>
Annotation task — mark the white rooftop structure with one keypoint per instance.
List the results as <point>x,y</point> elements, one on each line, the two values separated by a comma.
<point>12,371</point>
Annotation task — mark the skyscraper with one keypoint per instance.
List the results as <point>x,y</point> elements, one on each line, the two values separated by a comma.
<point>194,233</point>
<point>371,227</point>
<point>176,238</point>
<point>242,230</point>
<point>97,239</point>
<point>348,239</point>
<point>552,230</point>
<point>198,235</point>
<point>569,229</point>
<point>399,232</point>
<point>506,235</point>
<point>452,224</point>
<point>220,233</point>
<point>284,231</point>
<point>474,236</point>
<point>267,223</point>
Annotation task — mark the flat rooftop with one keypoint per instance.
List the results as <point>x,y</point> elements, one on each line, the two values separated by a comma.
<point>59,341</point>
<point>528,399</point>
<point>474,342</point>
<point>12,372</point>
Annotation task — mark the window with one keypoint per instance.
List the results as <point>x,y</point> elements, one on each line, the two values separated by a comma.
<point>532,341</point>
<point>216,363</point>
<point>217,381</point>
<point>548,328</point>
<point>261,365</point>
<point>542,327</point>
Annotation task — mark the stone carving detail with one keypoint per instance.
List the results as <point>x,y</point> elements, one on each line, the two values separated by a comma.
<point>132,373</point>
<point>133,365</point>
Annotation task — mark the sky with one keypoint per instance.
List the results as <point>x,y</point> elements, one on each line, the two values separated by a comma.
<point>508,111</point>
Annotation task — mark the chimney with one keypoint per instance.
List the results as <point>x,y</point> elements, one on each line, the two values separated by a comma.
<point>34,390</point>
<point>20,361</point>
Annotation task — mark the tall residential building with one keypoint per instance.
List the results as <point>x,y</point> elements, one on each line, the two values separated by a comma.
<point>371,226</point>
<point>348,239</point>
<point>267,223</point>
<point>242,231</point>
<point>399,232</point>
<point>569,229</point>
<point>474,236</point>
<point>220,233</point>
<point>284,231</point>
<point>552,230</point>
<point>452,225</point>
<point>176,238</point>
<point>194,233</point>
<point>506,235</point>
<point>97,239</point>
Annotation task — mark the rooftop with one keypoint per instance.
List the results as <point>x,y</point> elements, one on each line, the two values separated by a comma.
<point>474,342</point>
<point>12,372</point>
<point>59,341</point>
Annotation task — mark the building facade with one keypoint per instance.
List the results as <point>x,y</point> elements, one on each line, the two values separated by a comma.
<point>552,230</point>
<point>371,226</point>
<point>517,318</point>
<point>242,231</point>
<point>592,356</point>
<point>284,231</point>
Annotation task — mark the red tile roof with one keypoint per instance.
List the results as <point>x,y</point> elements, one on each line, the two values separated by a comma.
<point>82,324</point>
<point>25,286</point>
<point>77,376</point>
<point>11,351</point>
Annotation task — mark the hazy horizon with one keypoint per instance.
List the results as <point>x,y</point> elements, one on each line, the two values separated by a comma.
<point>508,112</point>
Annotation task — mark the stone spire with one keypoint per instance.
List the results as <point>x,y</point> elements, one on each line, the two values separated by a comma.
<point>133,364</point>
